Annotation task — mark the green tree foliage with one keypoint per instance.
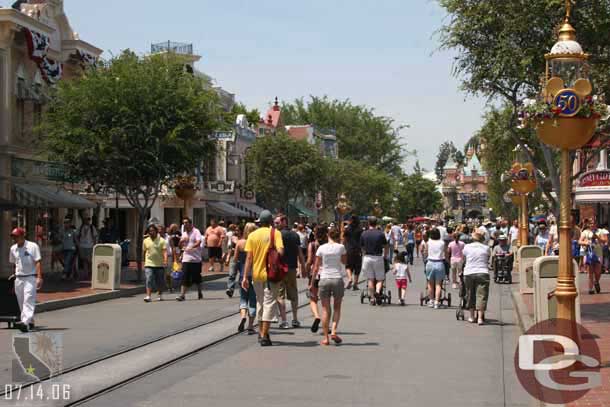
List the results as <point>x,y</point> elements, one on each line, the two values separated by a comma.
<point>131,125</point>
<point>417,196</point>
<point>500,52</point>
<point>230,117</point>
<point>281,169</point>
<point>497,158</point>
<point>362,135</point>
<point>361,183</point>
<point>446,150</point>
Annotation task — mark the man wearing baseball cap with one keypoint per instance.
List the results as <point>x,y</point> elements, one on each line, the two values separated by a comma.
<point>27,272</point>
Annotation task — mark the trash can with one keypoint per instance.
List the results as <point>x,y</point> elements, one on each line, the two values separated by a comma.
<point>9,307</point>
<point>546,270</point>
<point>106,267</point>
<point>525,259</point>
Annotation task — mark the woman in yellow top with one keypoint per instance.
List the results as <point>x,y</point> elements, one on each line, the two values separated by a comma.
<point>155,261</point>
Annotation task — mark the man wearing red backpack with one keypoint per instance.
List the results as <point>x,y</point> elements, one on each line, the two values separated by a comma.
<point>258,247</point>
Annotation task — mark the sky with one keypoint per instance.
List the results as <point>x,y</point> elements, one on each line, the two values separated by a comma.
<point>380,53</point>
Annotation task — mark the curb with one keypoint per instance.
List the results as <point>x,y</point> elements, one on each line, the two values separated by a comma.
<point>523,318</point>
<point>105,296</point>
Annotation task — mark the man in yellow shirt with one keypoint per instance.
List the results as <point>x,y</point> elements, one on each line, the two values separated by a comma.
<point>267,292</point>
<point>155,261</point>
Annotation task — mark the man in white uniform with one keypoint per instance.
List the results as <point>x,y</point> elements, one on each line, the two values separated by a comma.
<point>27,272</point>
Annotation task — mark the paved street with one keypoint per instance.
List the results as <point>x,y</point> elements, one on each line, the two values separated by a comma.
<point>391,355</point>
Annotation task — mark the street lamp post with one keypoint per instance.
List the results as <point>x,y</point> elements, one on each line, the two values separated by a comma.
<point>342,208</point>
<point>567,91</point>
<point>523,181</point>
<point>512,197</point>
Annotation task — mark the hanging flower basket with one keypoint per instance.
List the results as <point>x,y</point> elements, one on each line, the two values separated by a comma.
<point>567,132</point>
<point>184,187</point>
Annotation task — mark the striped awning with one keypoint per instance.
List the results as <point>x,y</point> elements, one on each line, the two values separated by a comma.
<point>253,209</point>
<point>48,196</point>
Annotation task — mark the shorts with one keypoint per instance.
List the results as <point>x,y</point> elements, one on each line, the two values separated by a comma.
<point>373,267</point>
<point>85,253</point>
<point>288,286</point>
<point>331,287</point>
<point>477,291</point>
<point>401,283</point>
<point>192,274</point>
<point>435,271</point>
<point>155,278</point>
<point>215,252</point>
<point>457,267</point>
<point>267,294</point>
<point>354,261</point>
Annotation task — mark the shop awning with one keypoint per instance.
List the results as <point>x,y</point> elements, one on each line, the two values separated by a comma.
<point>48,196</point>
<point>586,195</point>
<point>219,208</point>
<point>7,205</point>
<point>302,211</point>
<point>253,209</point>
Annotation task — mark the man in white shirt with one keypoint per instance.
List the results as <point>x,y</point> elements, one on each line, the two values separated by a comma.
<point>513,234</point>
<point>27,272</point>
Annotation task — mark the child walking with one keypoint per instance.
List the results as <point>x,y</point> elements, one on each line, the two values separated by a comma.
<point>401,273</point>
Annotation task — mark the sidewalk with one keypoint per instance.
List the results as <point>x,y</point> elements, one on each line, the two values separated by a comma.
<point>57,294</point>
<point>595,314</point>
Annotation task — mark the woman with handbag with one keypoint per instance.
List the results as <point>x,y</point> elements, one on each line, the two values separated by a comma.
<point>593,256</point>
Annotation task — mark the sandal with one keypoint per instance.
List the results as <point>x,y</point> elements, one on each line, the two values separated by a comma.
<point>324,342</point>
<point>336,339</point>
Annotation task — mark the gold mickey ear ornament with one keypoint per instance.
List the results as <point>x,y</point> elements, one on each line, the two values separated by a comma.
<point>583,87</point>
<point>553,86</point>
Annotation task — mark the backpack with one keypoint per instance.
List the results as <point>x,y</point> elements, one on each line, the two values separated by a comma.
<point>276,268</point>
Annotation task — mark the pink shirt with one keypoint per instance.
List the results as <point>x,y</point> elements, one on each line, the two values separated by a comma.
<point>457,251</point>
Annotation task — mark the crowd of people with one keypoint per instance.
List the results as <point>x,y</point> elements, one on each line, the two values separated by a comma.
<point>331,257</point>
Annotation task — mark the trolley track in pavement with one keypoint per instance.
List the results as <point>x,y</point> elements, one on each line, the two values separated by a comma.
<point>145,344</point>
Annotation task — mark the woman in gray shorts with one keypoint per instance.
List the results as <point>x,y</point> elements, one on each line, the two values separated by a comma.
<point>330,263</point>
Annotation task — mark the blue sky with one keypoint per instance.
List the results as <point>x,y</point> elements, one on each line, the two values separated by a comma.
<point>375,52</point>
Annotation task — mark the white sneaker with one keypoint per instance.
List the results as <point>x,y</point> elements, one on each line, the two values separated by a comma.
<point>284,325</point>
<point>147,298</point>
<point>160,298</point>
<point>436,305</point>
<point>296,323</point>
<point>431,303</point>
<point>275,320</point>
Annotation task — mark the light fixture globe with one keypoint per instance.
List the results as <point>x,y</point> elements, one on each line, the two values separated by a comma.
<point>567,87</point>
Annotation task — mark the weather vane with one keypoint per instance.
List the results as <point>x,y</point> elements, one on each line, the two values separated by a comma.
<point>568,9</point>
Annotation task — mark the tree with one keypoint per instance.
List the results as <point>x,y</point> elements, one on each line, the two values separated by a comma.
<point>362,184</point>
<point>361,134</point>
<point>132,125</point>
<point>281,169</point>
<point>230,117</point>
<point>418,196</point>
<point>445,150</point>
<point>501,46</point>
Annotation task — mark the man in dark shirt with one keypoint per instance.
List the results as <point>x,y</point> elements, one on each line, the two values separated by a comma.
<point>375,249</point>
<point>293,256</point>
<point>351,239</point>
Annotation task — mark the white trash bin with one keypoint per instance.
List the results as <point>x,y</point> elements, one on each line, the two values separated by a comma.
<point>546,270</point>
<point>526,255</point>
<point>106,267</point>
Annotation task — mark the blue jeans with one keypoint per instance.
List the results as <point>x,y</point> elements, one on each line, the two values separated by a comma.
<point>435,271</point>
<point>233,271</point>
<point>410,247</point>
<point>155,277</point>
<point>247,299</point>
<point>69,257</point>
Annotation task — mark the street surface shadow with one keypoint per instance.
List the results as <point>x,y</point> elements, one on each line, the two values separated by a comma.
<point>46,328</point>
<point>274,333</point>
<point>495,322</point>
<point>307,344</point>
<point>359,344</point>
<point>595,312</point>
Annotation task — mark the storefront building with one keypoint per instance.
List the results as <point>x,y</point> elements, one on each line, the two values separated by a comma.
<point>592,192</point>
<point>38,48</point>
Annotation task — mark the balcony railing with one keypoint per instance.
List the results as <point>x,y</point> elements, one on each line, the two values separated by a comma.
<point>170,46</point>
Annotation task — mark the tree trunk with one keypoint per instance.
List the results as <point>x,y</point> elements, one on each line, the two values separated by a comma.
<point>139,240</point>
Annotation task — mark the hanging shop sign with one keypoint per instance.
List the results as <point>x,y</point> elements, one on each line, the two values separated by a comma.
<point>595,179</point>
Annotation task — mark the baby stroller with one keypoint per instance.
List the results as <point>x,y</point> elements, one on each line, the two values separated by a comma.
<point>445,296</point>
<point>386,296</point>
<point>503,265</point>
